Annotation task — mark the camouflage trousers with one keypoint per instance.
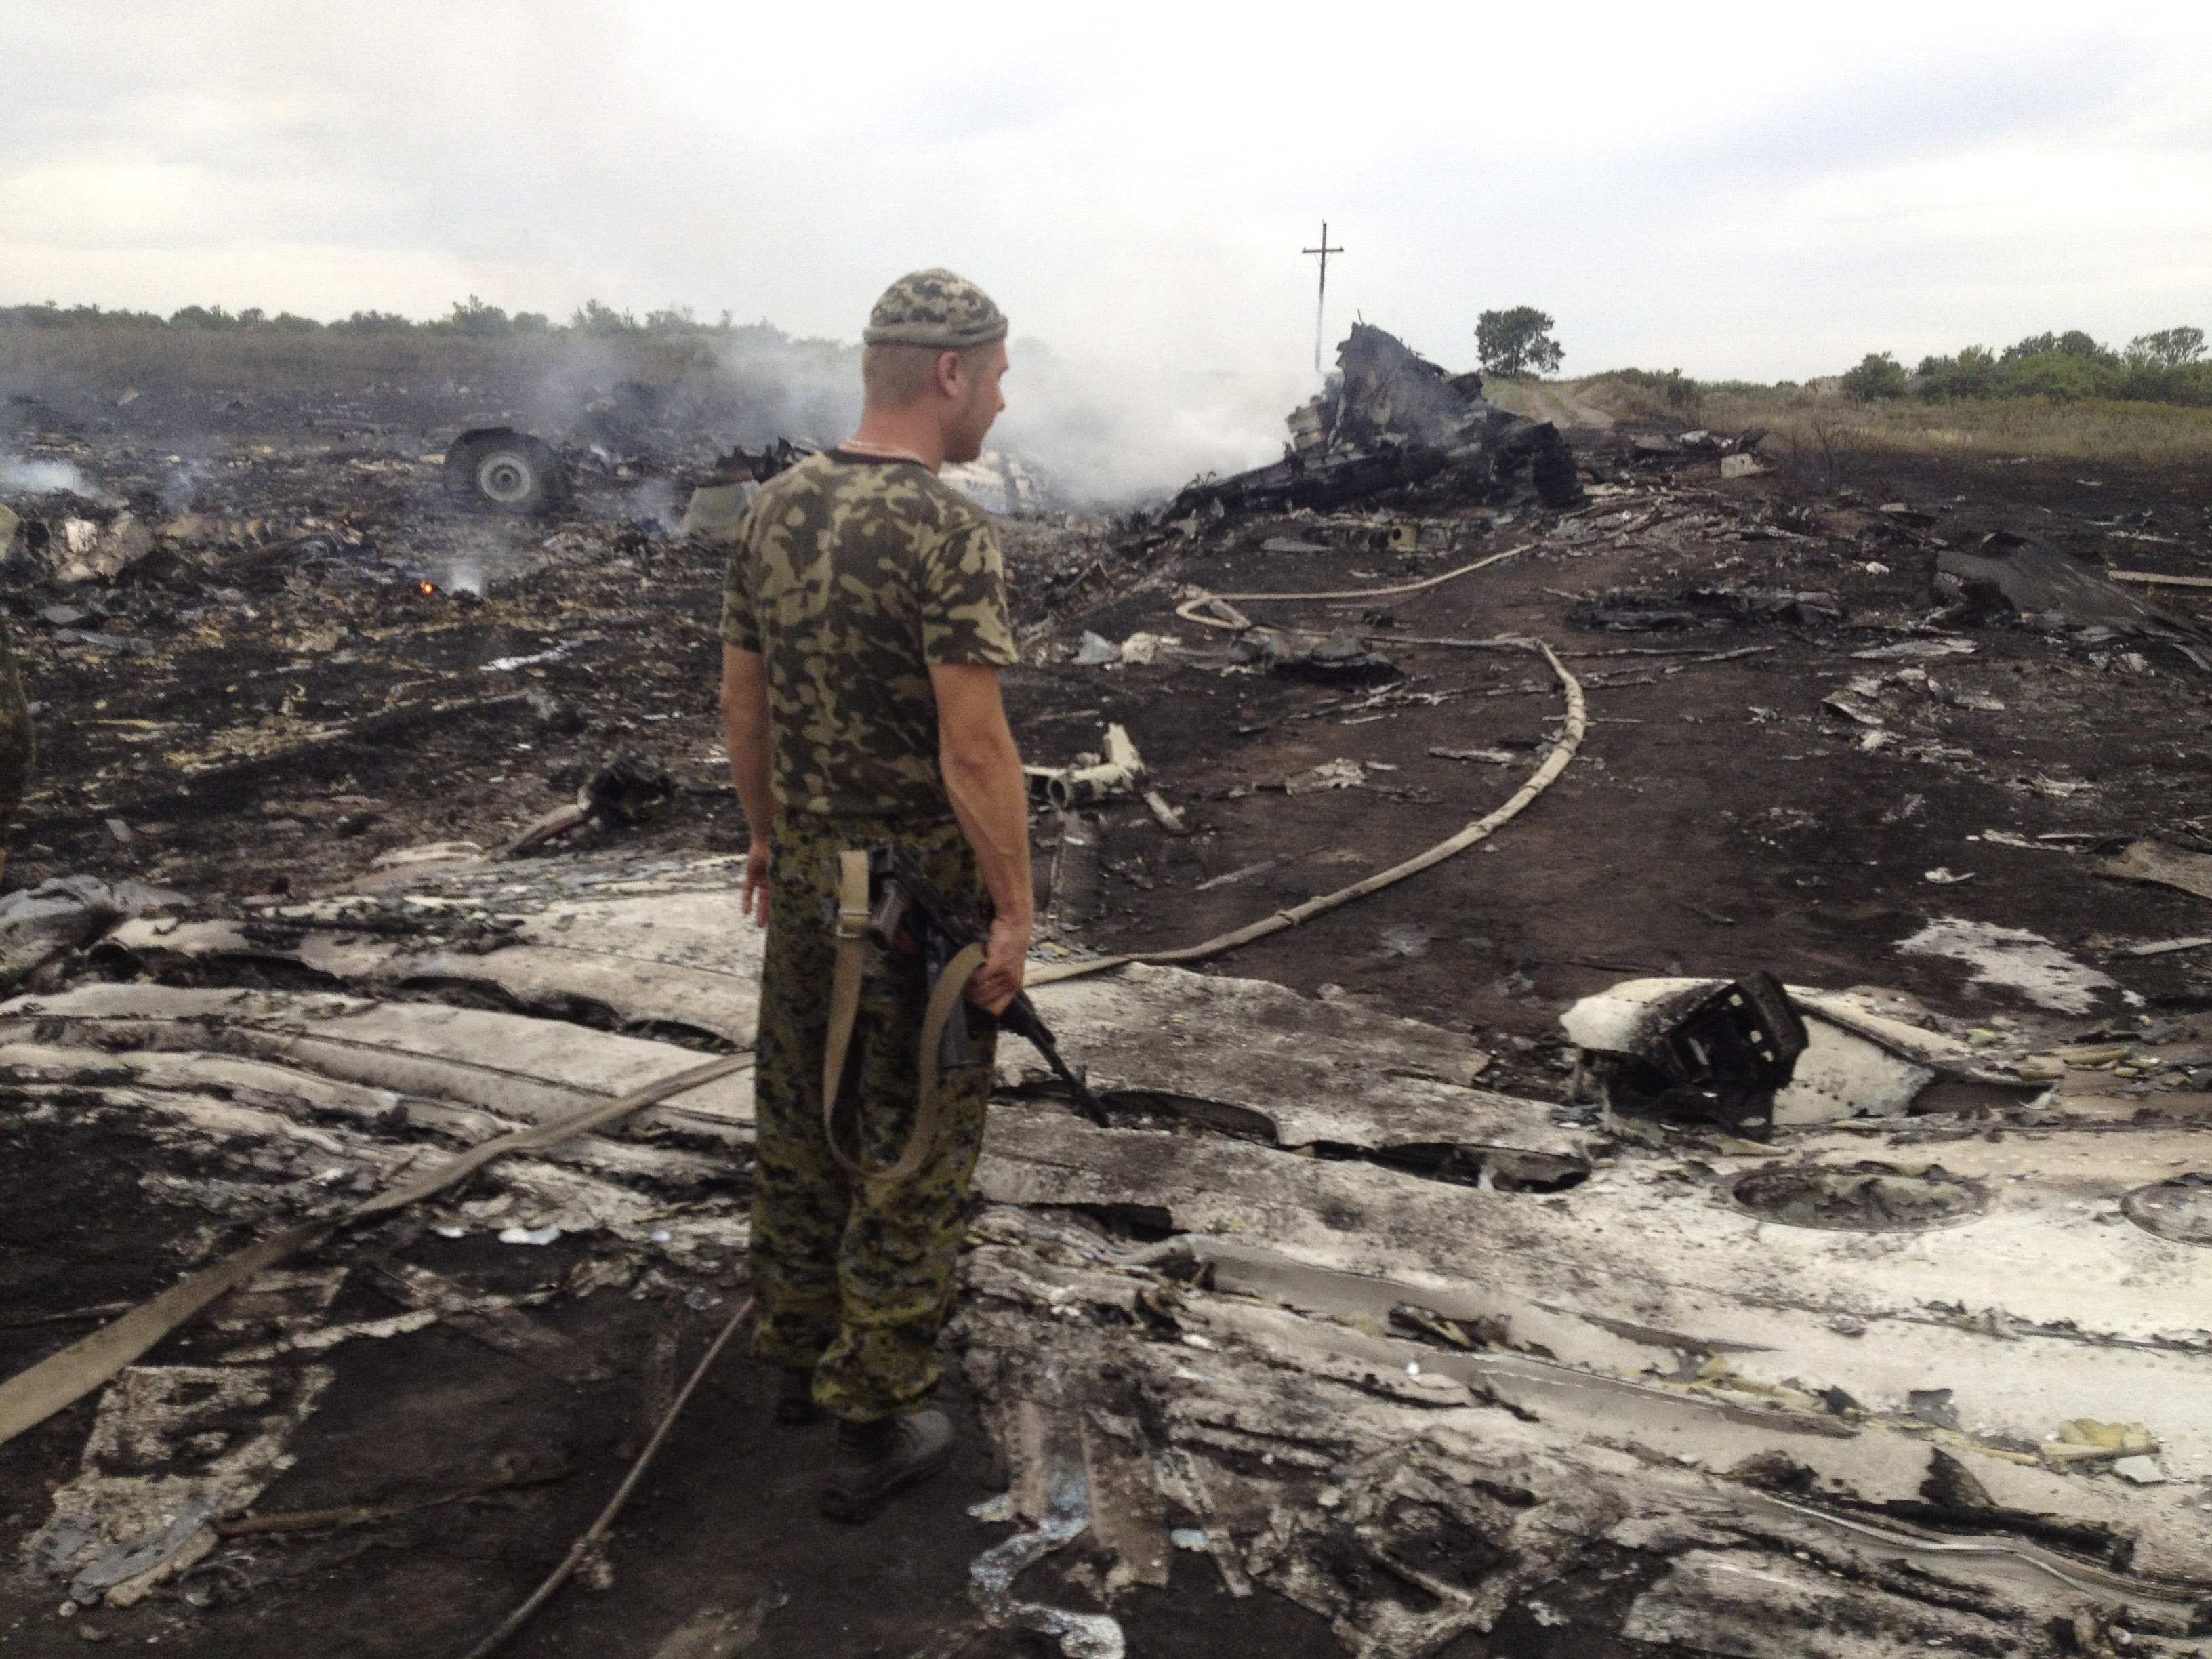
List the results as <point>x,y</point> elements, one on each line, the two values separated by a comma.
<point>853,1279</point>
<point>16,749</point>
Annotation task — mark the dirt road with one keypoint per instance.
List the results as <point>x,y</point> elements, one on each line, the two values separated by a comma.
<point>1557,402</point>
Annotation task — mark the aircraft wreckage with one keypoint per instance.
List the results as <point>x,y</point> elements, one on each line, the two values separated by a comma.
<point>1390,419</point>
<point>1925,1367</point>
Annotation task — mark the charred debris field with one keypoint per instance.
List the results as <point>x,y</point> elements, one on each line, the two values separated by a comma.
<point>1454,1276</point>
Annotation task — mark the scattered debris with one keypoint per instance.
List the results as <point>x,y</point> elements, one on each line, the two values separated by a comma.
<point>2015,959</point>
<point>1917,650</point>
<point>2158,579</point>
<point>1340,658</point>
<point>1119,771</point>
<point>41,925</point>
<point>2044,588</point>
<point>1238,1368</point>
<point>998,482</point>
<point>621,792</point>
<point>2167,866</point>
<point>85,550</point>
<point>1700,605</point>
<point>1330,775</point>
<point>1368,1318</point>
<point>172,1447</point>
<point>1094,651</point>
<point>1855,1059</point>
<point>1061,1518</point>
<point>2167,946</point>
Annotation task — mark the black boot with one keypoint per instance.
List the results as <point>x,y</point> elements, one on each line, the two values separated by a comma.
<point>794,1402</point>
<point>885,1457</point>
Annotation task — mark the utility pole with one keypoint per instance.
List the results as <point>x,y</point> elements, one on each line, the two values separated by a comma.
<point>1321,302</point>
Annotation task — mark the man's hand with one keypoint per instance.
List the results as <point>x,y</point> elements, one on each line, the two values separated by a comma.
<point>745,724</point>
<point>1006,961</point>
<point>752,891</point>
<point>983,776</point>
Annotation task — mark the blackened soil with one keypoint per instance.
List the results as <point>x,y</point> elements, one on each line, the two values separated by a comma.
<point>281,719</point>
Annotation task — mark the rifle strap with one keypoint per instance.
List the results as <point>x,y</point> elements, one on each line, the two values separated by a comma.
<point>945,999</point>
<point>851,967</point>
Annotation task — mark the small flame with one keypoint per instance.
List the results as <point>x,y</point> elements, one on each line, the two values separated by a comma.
<point>429,587</point>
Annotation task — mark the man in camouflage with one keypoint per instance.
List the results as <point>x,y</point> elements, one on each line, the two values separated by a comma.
<point>17,752</point>
<point>864,624</point>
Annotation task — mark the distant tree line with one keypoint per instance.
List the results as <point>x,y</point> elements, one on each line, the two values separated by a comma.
<point>2166,367</point>
<point>471,317</point>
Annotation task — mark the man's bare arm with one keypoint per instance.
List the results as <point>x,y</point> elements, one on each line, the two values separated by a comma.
<point>745,724</point>
<point>982,774</point>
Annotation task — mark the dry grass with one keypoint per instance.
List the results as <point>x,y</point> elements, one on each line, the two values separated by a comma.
<point>2092,429</point>
<point>1510,395</point>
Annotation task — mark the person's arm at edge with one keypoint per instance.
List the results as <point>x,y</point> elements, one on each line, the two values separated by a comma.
<point>982,772</point>
<point>745,725</point>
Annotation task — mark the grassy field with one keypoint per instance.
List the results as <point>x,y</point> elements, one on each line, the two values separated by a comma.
<point>112,358</point>
<point>1820,428</point>
<point>1815,424</point>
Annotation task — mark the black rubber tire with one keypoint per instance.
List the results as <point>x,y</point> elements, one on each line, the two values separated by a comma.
<point>505,472</point>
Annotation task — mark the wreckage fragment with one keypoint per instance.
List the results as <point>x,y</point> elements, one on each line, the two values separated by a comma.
<point>2166,867</point>
<point>1391,419</point>
<point>1644,1039</point>
<point>1338,659</point>
<point>43,924</point>
<point>623,792</point>
<point>1725,1053</point>
<point>1119,771</point>
<point>84,551</point>
<point>497,468</point>
<point>2008,576</point>
<point>1628,612</point>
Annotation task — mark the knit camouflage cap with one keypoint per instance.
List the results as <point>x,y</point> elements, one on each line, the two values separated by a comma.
<point>934,308</point>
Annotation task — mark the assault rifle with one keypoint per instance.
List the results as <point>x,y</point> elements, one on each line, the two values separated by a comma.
<point>908,913</point>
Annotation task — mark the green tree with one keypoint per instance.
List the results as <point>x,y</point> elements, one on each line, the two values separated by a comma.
<point>1878,375</point>
<point>594,318</point>
<point>2061,374</point>
<point>1971,374</point>
<point>1516,342</point>
<point>373,322</point>
<point>2170,347</point>
<point>473,317</point>
<point>2074,342</point>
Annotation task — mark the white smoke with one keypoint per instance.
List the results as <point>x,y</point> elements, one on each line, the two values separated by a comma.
<point>42,477</point>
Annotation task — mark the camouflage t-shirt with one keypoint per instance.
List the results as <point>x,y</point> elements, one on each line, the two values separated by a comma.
<point>854,576</point>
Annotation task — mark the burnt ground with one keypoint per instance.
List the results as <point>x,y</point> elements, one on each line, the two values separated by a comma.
<point>273,707</point>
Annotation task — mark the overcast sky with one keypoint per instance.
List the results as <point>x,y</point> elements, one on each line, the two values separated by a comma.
<point>1760,192</point>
